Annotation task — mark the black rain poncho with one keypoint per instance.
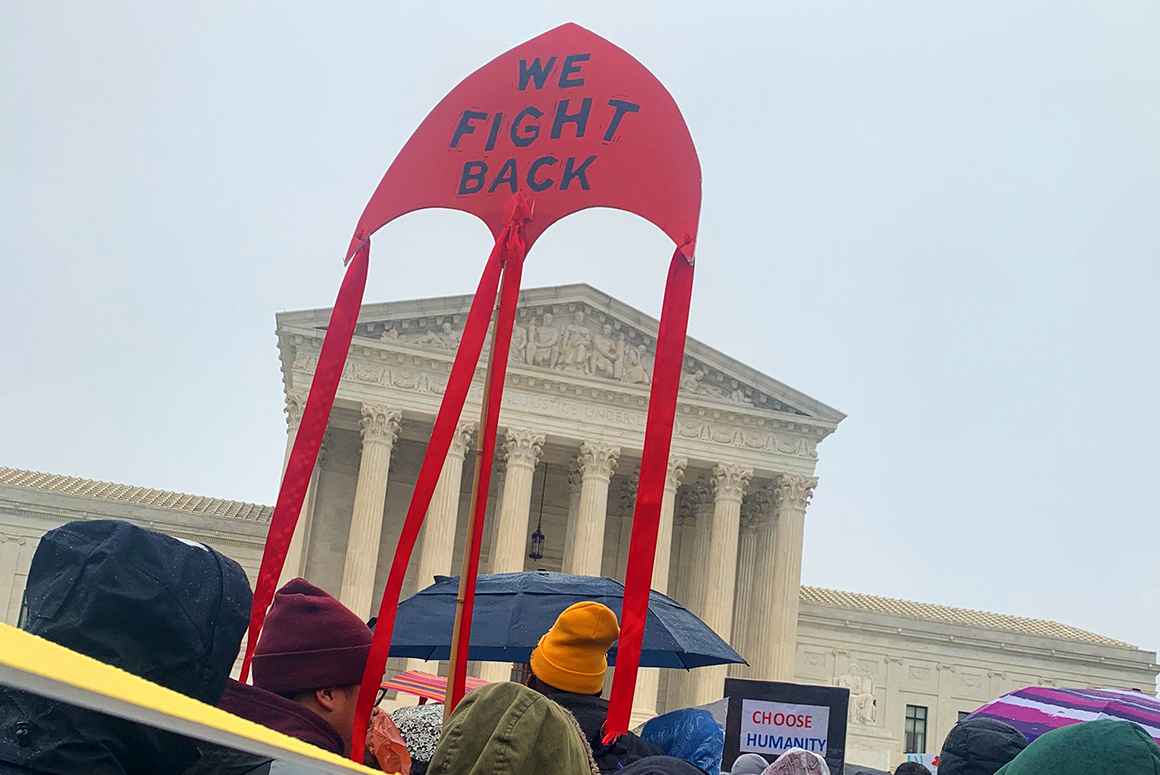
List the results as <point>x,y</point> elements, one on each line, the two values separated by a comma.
<point>168,610</point>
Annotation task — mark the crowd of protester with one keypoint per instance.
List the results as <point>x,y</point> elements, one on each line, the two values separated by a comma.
<point>174,612</point>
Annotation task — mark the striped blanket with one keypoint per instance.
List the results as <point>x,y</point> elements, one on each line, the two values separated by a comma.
<point>429,687</point>
<point>1037,709</point>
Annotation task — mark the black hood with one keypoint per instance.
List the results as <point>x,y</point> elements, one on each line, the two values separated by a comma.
<point>979,746</point>
<point>168,610</point>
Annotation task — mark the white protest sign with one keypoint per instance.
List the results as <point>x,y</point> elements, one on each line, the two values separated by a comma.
<point>775,727</point>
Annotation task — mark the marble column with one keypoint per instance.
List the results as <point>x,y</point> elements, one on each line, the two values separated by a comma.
<point>697,516</point>
<point>644,705</point>
<point>379,427</point>
<point>756,516</point>
<point>523,449</point>
<point>743,587</point>
<point>296,554</point>
<point>490,531</point>
<point>438,545</point>
<point>570,525</point>
<point>596,463</point>
<point>777,580</point>
<point>626,503</point>
<point>729,484</point>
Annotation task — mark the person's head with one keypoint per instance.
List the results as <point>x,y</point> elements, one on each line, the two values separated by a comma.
<point>313,650</point>
<point>420,726</point>
<point>797,761</point>
<point>691,734</point>
<point>508,729</point>
<point>749,764</point>
<point>573,655</point>
<point>911,768</point>
<point>661,765</point>
<point>1102,747</point>
<point>168,610</point>
<point>979,746</point>
<point>189,603</point>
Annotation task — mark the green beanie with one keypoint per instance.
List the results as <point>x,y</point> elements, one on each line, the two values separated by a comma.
<point>508,729</point>
<point>1103,747</point>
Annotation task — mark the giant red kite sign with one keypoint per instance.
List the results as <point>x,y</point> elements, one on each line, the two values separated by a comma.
<point>564,122</point>
<point>567,119</point>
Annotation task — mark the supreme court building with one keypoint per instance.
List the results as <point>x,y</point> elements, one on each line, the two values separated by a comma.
<point>571,428</point>
<point>740,478</point>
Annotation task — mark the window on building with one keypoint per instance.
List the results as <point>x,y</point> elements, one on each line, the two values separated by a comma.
<point>915,729</point>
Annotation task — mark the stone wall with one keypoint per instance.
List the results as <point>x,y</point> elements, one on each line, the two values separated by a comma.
<point>26,515</point>
<point>889,663</point>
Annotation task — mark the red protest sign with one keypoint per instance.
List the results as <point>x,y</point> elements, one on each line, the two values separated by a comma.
<point>561,123</point>
<point>568,119</point>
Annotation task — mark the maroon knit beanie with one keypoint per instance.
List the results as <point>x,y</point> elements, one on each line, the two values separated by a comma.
<point>310,641</point>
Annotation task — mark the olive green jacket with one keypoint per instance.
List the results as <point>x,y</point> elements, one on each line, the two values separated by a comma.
<point>508,729</point>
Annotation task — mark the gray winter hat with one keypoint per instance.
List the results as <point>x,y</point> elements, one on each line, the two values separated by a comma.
<point>749,764</point>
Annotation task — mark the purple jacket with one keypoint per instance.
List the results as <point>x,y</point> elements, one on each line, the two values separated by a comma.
<point>281,715</point>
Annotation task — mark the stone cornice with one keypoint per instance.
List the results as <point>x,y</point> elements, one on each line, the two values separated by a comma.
<point>563,300</point>
<point>297,342</point>
<point>217,528</point>
<point>748,432</point>
<point>1065,651</point>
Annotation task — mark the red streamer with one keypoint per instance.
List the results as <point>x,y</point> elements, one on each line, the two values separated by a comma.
<point>515,251</point>
<point>458,384</point>
<point>450,409</point>
<point>307,442</point>
<point>662,408</point>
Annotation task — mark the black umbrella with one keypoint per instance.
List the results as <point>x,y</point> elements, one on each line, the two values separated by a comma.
<point>512,611</point>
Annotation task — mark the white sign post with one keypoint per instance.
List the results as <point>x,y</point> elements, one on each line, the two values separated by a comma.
<point>775,727</point>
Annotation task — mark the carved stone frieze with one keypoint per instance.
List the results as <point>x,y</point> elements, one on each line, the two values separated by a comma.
<point>576,339</point>
<point>412,374</point>
<point>863,705</point>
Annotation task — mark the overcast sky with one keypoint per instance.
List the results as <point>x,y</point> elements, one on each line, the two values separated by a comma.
<point>940,218</point>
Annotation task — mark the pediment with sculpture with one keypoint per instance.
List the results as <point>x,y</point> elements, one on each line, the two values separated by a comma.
<point>577,340</point>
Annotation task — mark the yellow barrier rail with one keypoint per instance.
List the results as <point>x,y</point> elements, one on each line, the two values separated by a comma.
<point>42,667</point>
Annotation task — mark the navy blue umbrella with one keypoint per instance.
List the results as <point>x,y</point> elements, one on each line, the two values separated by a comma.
<point>512,611</point>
